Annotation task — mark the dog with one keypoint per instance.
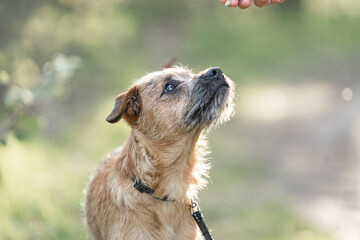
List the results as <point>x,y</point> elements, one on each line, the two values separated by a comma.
<point>144,189</point>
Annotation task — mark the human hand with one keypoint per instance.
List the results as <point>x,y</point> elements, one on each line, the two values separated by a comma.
<point>246,3</point>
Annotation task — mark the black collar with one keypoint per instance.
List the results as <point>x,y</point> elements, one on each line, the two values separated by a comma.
<point>141,187</point>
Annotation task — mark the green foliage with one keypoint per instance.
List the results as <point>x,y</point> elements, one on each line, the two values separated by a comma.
<point>18,102</point>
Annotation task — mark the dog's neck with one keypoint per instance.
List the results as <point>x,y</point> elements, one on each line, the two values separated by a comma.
<point>178,169</point>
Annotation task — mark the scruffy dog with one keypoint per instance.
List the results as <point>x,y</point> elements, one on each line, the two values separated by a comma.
<point>143,190</point>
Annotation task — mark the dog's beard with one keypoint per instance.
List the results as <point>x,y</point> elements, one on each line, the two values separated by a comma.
<point>210,108</point>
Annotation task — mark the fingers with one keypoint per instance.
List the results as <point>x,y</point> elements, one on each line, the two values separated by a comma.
<point>244,4</point>
<point>231,3</point>
<point>261,3</point>
<point>234,3</point>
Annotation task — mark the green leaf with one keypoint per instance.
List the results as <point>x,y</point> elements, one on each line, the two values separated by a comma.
<point>4,77</point>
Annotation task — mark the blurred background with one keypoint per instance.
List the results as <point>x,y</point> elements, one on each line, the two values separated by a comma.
<point>287,167</point>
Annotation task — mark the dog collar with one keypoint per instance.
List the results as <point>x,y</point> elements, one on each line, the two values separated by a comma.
<point>141,187</point>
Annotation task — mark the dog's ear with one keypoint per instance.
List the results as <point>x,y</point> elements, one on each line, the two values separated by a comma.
<point>128,105</point>
<point>169,63</point>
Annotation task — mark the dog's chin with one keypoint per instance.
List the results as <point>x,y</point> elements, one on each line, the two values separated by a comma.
<point>213,111</point>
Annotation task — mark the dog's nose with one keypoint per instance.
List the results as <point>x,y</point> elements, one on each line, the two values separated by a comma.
<point>213,72</point>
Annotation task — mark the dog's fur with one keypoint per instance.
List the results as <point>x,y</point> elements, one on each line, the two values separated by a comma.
<point>166,149</point>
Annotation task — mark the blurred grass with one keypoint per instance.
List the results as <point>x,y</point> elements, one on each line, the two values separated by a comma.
<point>42,178</point>
<point>43,181</point>
<point>42,192</point>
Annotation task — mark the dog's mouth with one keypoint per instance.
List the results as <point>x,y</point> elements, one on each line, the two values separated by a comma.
<point>216,98</point>
<point>211,103</point>
<point>219,89</point>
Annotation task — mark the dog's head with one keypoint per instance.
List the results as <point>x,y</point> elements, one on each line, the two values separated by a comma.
<point>174,101</point>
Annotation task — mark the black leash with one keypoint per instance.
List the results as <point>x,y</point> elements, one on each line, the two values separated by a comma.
<point>199,218</point>
<point>194,208</point>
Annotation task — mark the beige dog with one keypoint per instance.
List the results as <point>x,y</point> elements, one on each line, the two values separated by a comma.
<point>143,190</point>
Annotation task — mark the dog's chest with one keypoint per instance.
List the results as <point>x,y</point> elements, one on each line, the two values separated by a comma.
<point>161,221</point>
<point>177,223</point>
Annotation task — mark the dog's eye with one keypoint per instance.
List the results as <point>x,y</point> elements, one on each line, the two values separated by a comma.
<point>170,87</point>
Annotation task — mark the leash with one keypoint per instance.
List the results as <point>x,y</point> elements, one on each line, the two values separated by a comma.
<point>194,207</point>
<point>199,218</point>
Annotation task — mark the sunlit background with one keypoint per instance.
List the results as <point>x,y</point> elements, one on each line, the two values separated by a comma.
<point>287,167</point>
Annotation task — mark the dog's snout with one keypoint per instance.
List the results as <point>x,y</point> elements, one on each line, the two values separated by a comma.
<point>213,72</point>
